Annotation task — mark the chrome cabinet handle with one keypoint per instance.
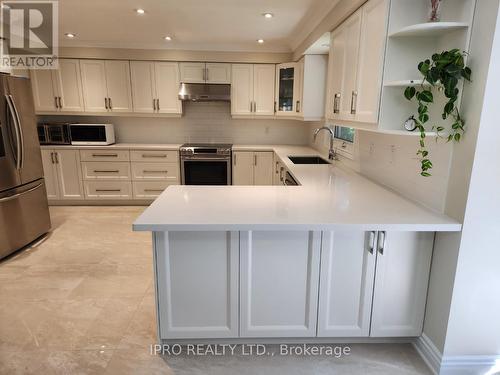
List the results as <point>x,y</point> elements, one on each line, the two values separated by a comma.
<point>277,169</point>
<point>52,158</point>
<point>274,106</point>
<point>336,102</point>
<point>105,155</point>
<point>157,104</point>
<point>371,240</point>
<point>154,155</point>
<point>282,169</point>
<point>108,190</point>
<point>206,76</point>
<point>59,101</point>
<point>55,102</point>
<point>354,102</point>
<point>153,190</point>
<point>106,103</point>
<point>381,242</point>
<point>255,159</point>
<point>57,157</point>
<point>106,171</point>
<point>146,171</point>
<point>110,103</point>
<point>297,106</point>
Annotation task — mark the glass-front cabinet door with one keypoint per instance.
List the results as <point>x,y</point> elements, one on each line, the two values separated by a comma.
<point>286,89</point>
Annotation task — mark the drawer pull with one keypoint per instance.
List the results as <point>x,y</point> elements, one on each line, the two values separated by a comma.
<point>108,190</point>
<point>105,155</point>
<point>154,156</point>
<point>106,171</point>
<point>153,190</point>
<point>154,171</point>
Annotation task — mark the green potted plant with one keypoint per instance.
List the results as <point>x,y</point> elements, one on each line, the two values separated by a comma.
<point>443,72</point>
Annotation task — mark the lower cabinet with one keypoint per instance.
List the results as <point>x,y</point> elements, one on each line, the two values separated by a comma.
<point>63,176</point>
<point>292,283</point>
<point>253,168</point>
<point>279,283</point>
<point>197,284</point>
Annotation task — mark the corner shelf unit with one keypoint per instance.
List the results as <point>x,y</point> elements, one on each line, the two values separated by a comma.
<point>410,40</point>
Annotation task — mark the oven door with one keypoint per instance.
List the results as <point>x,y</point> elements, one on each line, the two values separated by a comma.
<point>206,171</point>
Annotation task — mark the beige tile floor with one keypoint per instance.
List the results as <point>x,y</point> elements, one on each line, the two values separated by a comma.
<point>81,302</point>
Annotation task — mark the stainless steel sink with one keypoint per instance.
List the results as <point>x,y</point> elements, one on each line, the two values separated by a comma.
<point>307,160</point>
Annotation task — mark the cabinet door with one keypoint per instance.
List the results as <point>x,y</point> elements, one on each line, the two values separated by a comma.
<point>336,62</point>
<point>242,87</point>
<point>243,164</point>
<point>371,60</point>
<point>143,86</point>
<point>197,284</point>
<point>69,174</point>
<point>346,283</point>
<point>352,30</point>
<point>263,88</point>
<point>278,171</point>
<point>69,85</point>
<point>285,89</point>
<point>167,87</point>
<point>299,89</point>
<point>192,72</point>
<point>279,283</point>
<point>50,174</point>
<point>218,73</point>
<point>263,168</point>
<point>402,276</point>
<point>118,86</point>
<point>44,91</point>
<point>94,85</point>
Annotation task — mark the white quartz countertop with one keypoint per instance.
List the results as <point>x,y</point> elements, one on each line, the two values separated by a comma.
<point>120,146</point>
<point>329,197</point>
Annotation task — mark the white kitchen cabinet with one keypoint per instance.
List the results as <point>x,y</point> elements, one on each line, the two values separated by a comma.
<point>108,190</point>
<point>63,176</point>
<point>402,276</point>
<point>197,282</point>
<point>287,89</point>
<point>58,90</point>
<point>310,102</point>
<point>167,88</point>
<point>253,168</point>
<point>243,164</point>
<point>356,57</point>
<point>155,87</point>
<point>94,85</point>
<point>346,283</point>
<point>252,90</point>
<point>279,283</point>
<point>118,86</point>
<point>106,85</point>
<point>50,174</point>
<point>198,72</point>
<point>279,171</point>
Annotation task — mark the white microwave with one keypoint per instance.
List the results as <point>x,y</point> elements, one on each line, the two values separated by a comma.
<point>92,134</point>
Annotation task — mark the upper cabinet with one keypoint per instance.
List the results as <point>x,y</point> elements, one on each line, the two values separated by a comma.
<point>287,89</point>
<point>252,90</point>
<point>106,85</point>
<point>311,87</point>
<point>155,87</point>
<point>356,64</point>
<point>205,72</point>
<point>58,90</point>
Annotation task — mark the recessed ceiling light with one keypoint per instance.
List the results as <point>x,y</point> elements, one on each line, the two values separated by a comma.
<point>70,35</point>
<point>168,38</point>
<point>268,15</point>
<point>260,41</point>
<point>140,11</point>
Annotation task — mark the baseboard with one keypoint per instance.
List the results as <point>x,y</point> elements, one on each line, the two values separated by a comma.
<point>429,353</point>
<point>455,365</point>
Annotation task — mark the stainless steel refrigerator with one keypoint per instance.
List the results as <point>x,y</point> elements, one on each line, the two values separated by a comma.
<point>24,212</point>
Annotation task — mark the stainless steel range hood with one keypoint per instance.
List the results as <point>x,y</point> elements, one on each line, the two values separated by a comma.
<point>205,92</point>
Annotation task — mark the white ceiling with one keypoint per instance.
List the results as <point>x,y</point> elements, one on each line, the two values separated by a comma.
<point>218,25</point>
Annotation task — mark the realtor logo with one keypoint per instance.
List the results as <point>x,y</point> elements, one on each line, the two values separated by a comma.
<point>29,34</point>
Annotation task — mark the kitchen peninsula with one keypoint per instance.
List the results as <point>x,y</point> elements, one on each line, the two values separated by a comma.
<point>336,257</point>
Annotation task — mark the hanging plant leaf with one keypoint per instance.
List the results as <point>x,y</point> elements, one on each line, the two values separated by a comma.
<point>426,96</point>
<point>410,92</point>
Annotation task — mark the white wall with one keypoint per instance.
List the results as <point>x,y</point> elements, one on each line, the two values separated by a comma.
<point>201,122</point>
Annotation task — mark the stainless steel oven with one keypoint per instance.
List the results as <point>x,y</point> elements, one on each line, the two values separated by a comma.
<point>206,164</point>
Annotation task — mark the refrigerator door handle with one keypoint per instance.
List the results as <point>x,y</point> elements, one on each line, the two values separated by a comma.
<point>20,128</point>
<point>18,155</point>
<point>15,196</point>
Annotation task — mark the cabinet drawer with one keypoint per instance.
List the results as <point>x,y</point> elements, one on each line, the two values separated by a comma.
<point>155,171</point>
<point>108,189</point>
<point>106,171</point>
<point>158,156</point>
<point>104,155</point>
<point>149,189</point>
